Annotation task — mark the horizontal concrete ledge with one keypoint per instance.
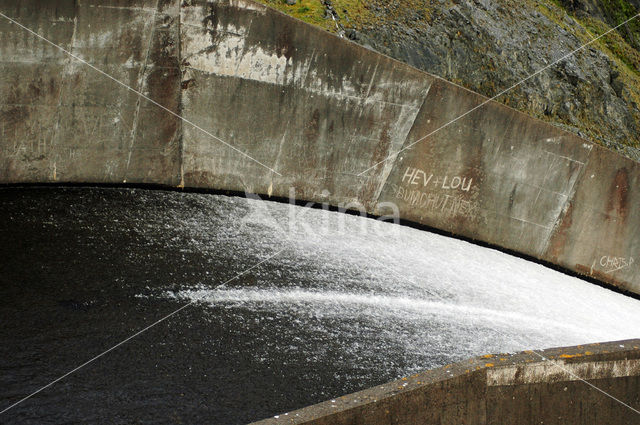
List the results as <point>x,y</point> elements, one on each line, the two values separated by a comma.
<point>542,387</point>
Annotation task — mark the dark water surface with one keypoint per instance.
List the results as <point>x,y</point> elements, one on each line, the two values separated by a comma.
<point>339,310</point>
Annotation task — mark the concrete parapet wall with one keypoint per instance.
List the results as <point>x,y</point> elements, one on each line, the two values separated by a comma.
<point>525,388</point>
<point>310,111</point>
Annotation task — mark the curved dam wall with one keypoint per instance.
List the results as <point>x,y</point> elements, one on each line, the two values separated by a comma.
<point>527,389</point>
<point>270,104</point>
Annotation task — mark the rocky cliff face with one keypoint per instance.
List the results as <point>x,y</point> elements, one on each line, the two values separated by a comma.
<point>491,45</point>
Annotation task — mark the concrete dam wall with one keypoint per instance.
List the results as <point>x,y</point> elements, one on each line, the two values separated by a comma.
<point>270,103</point>
<point>526,389</point>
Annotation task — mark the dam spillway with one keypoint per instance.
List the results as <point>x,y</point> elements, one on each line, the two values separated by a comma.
<point>233,95</point>
<point>351,303</point>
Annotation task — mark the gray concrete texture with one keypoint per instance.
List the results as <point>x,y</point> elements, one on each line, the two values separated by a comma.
<point>526,388</point>
<point>316,109</point>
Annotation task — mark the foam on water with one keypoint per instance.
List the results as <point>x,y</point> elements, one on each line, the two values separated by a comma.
<point>377,307</point>
<point>420,292</point>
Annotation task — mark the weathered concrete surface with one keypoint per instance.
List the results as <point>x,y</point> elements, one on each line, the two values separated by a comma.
<point>525,388</point>
<point>61,120</point>
<point>315,111</point>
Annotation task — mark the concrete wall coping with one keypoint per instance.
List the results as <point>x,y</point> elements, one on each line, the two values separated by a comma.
<point>599,361</point>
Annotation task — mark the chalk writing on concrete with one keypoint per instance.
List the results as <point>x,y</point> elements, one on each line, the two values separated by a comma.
<point>420,178</point>
<point>443,203</point>
<point>612,264</point>
<point>32,140</point>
